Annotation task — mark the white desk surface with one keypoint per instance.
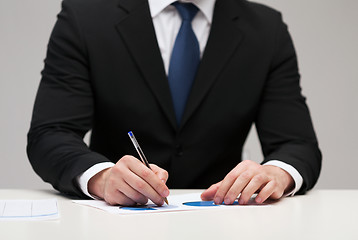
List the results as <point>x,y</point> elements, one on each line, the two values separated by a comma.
<point>320,214</point>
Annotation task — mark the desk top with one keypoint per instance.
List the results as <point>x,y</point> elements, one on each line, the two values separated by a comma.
<point>320,214</point>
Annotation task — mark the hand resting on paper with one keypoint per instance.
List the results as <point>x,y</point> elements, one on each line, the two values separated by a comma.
<point>247,178</point>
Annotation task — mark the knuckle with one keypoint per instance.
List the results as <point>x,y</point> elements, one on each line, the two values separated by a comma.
<point>260,168</point>
<point>161,188</point>
<point>259,178</point>
<point>146,172</point>
<point>126,159</point>
<point>219,194</point>
<point>216,186</point>
<point>247,163</point>
<point>116,170</point>
<point>213,186</point>
<point>139,185</point>
<point>246,175</point>
<point>111,181</point>
<point>231,176</point>
<point>274,184</point>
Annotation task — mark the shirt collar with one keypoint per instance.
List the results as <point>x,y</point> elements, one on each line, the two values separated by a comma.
<point>205,6</point>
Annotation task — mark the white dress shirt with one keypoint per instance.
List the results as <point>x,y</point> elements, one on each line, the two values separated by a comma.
<point>167,21</point>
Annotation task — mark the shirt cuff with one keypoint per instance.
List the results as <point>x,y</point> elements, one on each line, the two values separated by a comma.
<point>297,178</point>
<point>84,178</point>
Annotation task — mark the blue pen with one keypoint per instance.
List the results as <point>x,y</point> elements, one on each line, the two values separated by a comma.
<point>141,154</point>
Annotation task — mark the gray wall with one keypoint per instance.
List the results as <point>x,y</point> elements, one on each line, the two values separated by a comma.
<point>326,37</point>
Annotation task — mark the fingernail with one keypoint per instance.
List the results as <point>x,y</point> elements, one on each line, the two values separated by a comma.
<point>217,200</point>
<point>227,201</point>
<point>258,199</point>
<point>241,202</point>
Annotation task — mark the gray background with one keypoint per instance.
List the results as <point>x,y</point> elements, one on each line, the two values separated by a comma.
<point>325,33</point>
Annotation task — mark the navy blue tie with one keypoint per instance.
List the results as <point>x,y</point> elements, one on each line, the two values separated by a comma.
<point>184,60</point>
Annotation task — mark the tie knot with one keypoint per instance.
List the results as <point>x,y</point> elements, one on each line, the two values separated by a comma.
<point>187,11</point>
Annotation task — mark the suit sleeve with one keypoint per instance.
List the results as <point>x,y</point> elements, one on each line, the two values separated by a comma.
<point>283,124</point>
<point>63,109</point>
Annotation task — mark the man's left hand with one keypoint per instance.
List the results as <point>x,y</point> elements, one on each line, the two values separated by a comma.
<point>247,178</point>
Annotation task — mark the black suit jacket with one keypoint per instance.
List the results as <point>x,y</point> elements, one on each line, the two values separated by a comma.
<point>104,72</point>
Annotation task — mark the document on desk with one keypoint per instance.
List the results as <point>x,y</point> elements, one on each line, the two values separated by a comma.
<point>28,210</point>
<point>182,202</point>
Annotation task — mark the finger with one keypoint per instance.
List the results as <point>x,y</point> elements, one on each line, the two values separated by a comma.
<point>160,172</point>
<point>115,197</point>
<point>151,178</point>
<point>143,187</point>
<point>225,185</point>
<point>238,186</point>
<point>265,192</point>
<point>123,175</point>
<point>278,191</point>
<point>231,177</point>
<point>133,194</point>
<point>209,193</point>
<point>142,179</point>
<point>254,185</point>
<point>117,191</point>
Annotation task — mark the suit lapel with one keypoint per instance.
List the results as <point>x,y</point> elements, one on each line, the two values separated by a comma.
<point>136,29</point>
<point>224,38</point>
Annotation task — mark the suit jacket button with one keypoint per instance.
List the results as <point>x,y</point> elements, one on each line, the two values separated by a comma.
<point>179,150</point>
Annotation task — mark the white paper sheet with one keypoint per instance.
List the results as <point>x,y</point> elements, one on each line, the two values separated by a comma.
<point>16,210</point>
<point>176,203</point>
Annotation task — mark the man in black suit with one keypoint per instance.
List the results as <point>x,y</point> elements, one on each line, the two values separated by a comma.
<point>106,70</point>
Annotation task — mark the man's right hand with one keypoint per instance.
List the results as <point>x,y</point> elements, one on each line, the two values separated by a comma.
<point>130,182</point>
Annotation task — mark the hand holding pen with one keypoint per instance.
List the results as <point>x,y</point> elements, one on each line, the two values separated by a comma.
<point>130,182</point>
